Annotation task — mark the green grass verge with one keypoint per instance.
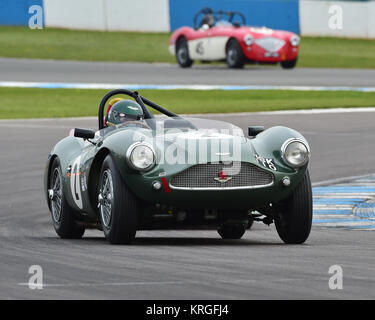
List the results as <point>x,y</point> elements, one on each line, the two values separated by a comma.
<point>56,103</point>
<point>153,47</point>
<point>64,44</point>
<point>337,53</point>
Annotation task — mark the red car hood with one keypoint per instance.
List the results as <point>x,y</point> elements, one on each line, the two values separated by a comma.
<point>257,32</point>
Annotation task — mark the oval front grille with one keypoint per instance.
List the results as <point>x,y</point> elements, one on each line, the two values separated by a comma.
<point>270,44</point>
<point>239,175</point>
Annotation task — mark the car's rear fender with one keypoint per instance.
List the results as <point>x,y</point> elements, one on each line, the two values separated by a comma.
<point>67,150</point>
<point>184,32</point>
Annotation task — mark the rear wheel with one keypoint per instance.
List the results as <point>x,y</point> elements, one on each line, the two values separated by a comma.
<point>63,216</point>
<point>117,205</point>
<point>182,53</point>
<point>289,64</point>
<point>232,231</point>
<point>234,55</point>
<point>293,223</point>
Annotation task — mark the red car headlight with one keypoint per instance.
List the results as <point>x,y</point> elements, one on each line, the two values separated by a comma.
<point>248,39</point>
<point>295,40</point>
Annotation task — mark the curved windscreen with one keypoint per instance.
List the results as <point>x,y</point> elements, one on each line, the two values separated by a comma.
<point>184,140</point>
<point>223,23</point>
<point>168,125</point>
<point>190,124</point>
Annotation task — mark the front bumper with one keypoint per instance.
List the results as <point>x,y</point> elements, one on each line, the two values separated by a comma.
<point>224,198</point>
<point>172,49</point>
<point>258,54</point>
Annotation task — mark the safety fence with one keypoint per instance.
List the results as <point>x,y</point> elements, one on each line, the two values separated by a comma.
<point>308,17</point>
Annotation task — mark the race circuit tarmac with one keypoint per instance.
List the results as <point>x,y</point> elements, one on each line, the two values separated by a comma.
<point>34,70</point>
<point>182,264</point>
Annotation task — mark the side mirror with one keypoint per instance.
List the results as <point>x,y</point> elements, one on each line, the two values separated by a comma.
<point>84,133</point>
<point>255,130</point>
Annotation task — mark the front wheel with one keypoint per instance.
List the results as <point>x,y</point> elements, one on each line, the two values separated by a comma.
<point>182,54</point>
<point>234,55</point>
<point>289,64</point>
<point>293,223</point>
<point>117,205</point>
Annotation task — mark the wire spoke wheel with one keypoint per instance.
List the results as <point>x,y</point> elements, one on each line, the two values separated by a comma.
<point>117,205</point>
<point>64,217</point>
<point>182,54</point>
<point>56,199</point>
<point>232,56</point>
<point>106,197</point>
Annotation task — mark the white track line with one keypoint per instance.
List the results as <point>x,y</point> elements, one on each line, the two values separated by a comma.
<point>66,85</point>
<point>238,114</point>
<point>340,180</point>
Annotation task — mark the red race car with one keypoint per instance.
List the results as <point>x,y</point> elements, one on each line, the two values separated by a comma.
<point>218,37</point>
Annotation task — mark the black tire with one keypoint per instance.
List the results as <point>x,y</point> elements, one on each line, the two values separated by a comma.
<point>250,224</point>
<point>234,55</point>
<point>182,54</point>
<point>232,231</point>
<point>121,226</point>
<point>293,224</point>
<point>64,218</point>
<point>289,64</point>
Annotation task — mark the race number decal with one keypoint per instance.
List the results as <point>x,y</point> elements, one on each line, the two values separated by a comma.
<point>266,162</point>
<point>199,48</point>
<point>75,185</point>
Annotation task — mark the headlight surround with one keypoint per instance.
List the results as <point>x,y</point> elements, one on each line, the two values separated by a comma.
<point>248,39</point>
<point>295,40</point>
<point>141,156</point>
<point>295,152</point>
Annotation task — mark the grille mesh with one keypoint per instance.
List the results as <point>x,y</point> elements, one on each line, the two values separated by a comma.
<point>202,176</point>
<point>270,44</point>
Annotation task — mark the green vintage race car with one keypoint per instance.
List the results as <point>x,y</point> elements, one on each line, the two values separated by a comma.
<point>144,172</point>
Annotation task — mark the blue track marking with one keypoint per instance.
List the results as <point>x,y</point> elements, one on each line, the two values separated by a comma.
<point>364,227</point>
<point>337,201</point>
<point>331,212</point>
<point>338,220</point>
<point>350,205</point>
<point>72,85</point>
<point>344,189</point>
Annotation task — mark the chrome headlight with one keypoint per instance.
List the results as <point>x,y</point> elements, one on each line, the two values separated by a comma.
<point>295,40</point>
<point>248,39</point>
<point>295,153</point>
<point>140,156</point>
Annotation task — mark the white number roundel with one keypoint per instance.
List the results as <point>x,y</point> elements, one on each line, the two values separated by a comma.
<point>75,185</point>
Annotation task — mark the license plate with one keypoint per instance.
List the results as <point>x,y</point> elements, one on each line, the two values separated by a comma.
<point>271,55</point>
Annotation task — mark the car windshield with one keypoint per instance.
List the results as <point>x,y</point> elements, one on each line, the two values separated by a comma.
<point>190,123</point>
<point>163,124</point>
<point>223,23</point>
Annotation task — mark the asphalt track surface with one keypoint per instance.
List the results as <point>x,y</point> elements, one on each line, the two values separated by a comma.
<point>163,73</point>
<point>182,264</point>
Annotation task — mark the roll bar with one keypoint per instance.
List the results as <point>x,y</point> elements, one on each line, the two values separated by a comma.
<point>138,98</point>
<point>218,15</point>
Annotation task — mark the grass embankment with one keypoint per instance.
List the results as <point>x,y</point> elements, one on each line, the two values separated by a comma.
<point>48,43</point>
<point>56,103</point>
